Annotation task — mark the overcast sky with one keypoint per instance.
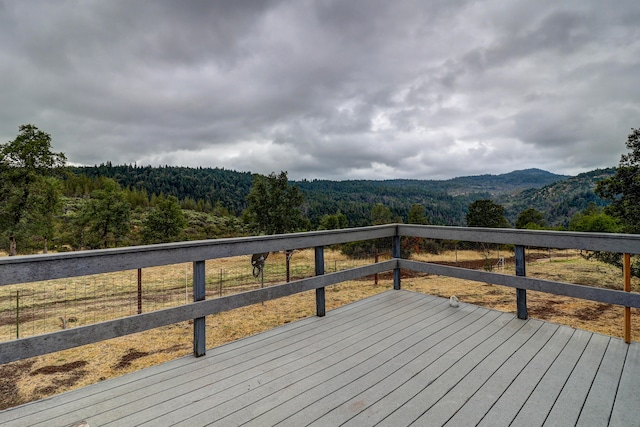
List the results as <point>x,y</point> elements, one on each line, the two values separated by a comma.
<point>344,89</point>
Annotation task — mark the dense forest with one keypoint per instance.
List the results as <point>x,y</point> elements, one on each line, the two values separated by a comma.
<point>213,203</point>
<point>558,201</point>
<point>203,189</point>
<point>208,186</point>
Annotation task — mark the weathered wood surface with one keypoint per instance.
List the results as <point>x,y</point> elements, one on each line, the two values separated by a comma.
<point>393,359</point>
<point>61,340</point>
<point>32,268</point>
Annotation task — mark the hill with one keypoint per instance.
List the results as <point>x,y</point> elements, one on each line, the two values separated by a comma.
<point>446,201</point>
<point>560,200</point>
<point>211,185</point>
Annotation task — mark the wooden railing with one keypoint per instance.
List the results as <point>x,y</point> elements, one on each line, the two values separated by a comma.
<point>32,268</point>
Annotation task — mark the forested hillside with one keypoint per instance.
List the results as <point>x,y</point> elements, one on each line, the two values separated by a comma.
<point>445,201</point>
<point>558,201</point>
<point>209,185</point>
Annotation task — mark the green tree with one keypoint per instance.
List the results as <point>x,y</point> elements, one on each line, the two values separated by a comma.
<point>274,206</point>
<point>165,221</point>
<point>623,188</point>
<point>47,204</point>
<point>417,215</point>
<point>485,213</point>
<point>409,245</point>
<point>28,196</point>
<point>105,216</point>
<point>333,222</point>
<point>381,214</point>
<point>531,219</point>
<point>593,219</point>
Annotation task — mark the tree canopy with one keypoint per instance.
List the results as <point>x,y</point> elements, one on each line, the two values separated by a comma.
<point>594,219</point>
<point>531,219</point>
<point>29,196</point>
<point>275,205</point>
<point>104,218</point>
<point>486,213</point>
<point>623,188</point>
<point>164,222</point>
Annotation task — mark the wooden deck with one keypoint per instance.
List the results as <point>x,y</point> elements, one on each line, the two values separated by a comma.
<point>398,358</point>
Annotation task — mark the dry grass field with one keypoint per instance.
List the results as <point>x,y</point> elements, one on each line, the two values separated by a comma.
<point>43,376</point>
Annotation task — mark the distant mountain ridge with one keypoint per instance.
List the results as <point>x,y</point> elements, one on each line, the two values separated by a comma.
<point>560,200</point>
<point>446,201</point>
<point>493,184</point>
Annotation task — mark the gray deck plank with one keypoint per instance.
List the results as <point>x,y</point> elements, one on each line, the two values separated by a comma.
<point>342,406</point>
<point>480,397</point>
<point>541,400</point>
<point>625,409</point>
<point>271,395</point>
<point>456,361</point>
<point>568,406</point>
<point>265,378</point>
<point>516,394</point>
<point>279,356</point>
<point>597,408</point>
<point>428,396</point>
<point>395,358</point>
<point>109,395</point>
<point>321,397</point>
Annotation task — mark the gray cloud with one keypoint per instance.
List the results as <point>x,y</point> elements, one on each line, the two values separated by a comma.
<point>326,89</point>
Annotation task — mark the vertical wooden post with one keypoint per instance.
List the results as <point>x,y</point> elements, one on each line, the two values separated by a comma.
<point>287,256</point>
<point>376,261</point>
<point>17,314</point>
<point>627,288</point>
<point>521,294</point>
<point>199,292</point>
<point>139,291</point>
<point>396,254</point>
<point>320,297</point>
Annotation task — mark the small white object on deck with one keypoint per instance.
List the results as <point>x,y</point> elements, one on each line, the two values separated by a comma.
<point>454,301</point>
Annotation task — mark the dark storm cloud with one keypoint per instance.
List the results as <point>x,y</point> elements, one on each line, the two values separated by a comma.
<point>326,89</point>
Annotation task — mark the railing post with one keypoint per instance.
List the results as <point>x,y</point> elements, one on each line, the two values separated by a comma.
<point>199,292</point>
<point>139,291</point>
<point>627,288</point>
<point>320,300</point>
<point>396,254</point>
<point>521,294</point>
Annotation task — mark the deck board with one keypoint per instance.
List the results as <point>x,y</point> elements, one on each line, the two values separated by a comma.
<point>396,358</point>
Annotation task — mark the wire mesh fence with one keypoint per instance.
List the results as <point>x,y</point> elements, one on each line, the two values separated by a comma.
<point>37,308</point>
<point>42,307</point>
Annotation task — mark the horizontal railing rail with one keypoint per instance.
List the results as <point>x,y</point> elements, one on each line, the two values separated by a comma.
<point>62,340</point>
<point>32,268</point>
<point>605,242</point>
<point>607,296</point>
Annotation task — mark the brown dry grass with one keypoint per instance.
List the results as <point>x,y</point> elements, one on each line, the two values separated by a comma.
<point>44,376</point>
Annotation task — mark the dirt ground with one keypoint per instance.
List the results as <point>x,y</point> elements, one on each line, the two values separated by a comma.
<point>39,377</point>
